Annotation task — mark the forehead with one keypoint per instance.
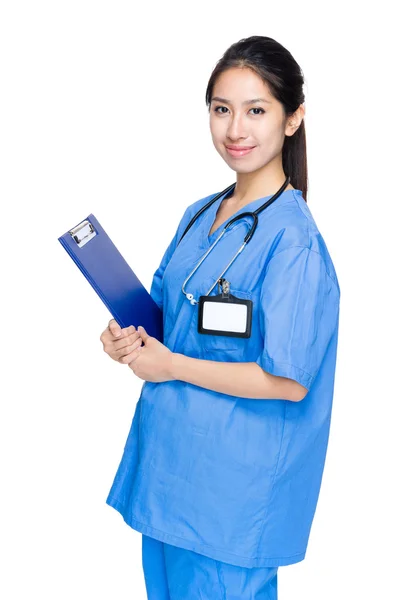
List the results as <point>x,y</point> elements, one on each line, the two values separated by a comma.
<point>241,84</point>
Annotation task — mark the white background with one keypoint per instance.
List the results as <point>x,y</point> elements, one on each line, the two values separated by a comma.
<point>103,111</point>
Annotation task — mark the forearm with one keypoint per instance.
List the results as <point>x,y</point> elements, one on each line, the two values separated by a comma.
<point>246,380</point>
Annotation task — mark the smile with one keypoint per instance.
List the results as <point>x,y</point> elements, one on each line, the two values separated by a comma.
<point>239,152</point>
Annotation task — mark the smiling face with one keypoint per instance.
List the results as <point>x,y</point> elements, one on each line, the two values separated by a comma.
<point>244,113</point>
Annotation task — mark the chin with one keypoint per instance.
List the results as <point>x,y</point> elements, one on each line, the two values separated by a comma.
<point>241,168</point>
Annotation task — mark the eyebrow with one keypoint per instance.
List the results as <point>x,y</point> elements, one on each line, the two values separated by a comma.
<point>225,101</point>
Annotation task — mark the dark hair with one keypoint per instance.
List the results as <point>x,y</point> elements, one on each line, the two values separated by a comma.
<point>284,77</point>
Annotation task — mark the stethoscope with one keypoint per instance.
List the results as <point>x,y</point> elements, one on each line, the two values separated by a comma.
<point>246,240</point>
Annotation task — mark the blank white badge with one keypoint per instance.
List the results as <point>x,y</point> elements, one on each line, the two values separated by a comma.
<point>224,316</point>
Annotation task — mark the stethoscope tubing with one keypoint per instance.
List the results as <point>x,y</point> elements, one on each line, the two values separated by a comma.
<point>247,238</point>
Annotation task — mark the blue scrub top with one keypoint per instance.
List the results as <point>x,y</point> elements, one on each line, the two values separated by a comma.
<point>233,478</point>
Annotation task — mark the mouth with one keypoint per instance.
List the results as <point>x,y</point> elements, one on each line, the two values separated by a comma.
<point>237,151</point>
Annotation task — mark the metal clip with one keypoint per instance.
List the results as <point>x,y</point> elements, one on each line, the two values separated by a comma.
<point>225,287</point>
<point>86,233</point>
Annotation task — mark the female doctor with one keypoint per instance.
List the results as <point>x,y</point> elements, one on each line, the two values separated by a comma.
<point>222,466</point>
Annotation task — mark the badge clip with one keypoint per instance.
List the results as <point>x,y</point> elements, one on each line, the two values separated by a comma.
<point>225,287</point>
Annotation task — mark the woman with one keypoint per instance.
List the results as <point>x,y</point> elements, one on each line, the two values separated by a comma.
<point>222,467</point>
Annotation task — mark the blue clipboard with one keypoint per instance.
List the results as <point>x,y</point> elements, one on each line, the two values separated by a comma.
<point>111,277</point>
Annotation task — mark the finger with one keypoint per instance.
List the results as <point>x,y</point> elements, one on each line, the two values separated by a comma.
<point>109,348</point>
<point>128,349</point>
<point>104,335</point>
<point>143,333</point>
<point>128,358</point>
<point>127,331</point>
<point>125,342</point>
<point>114,328</point>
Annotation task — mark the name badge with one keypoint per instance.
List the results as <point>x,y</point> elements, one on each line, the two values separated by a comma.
<point>225,314</point>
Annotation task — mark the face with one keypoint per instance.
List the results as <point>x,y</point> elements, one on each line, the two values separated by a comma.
<point>235,121</point>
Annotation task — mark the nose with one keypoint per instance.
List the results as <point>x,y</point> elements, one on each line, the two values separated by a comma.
<point>236,128</point>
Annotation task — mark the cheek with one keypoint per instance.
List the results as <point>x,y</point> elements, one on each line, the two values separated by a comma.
<point>218,142</point>
<point>217,129</point>
<point>270,141</point>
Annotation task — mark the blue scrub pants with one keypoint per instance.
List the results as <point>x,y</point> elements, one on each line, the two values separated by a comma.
<point>173,573</point>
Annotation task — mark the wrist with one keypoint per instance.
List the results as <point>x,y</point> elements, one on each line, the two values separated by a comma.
<point>176,366</point>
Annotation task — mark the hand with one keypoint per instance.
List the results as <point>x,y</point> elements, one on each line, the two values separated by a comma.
<point>118,342</point>
<point>152,361</point>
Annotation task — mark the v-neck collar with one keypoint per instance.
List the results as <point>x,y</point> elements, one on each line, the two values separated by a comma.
<point>211,214</point>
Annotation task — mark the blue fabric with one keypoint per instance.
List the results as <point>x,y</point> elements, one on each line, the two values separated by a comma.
<point>173,573</point>
<point>237,479</point>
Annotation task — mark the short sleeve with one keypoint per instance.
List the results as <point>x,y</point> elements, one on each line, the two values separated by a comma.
<point>299,309</point>
<point>156,286</point>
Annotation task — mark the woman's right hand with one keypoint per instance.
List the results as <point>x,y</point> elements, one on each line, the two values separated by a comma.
<point>119,342</point>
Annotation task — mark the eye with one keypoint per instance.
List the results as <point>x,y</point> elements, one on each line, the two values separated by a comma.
<point>216,109</point>
<point>255,108</point>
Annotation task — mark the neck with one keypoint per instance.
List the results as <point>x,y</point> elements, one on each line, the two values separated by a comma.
<point>260,183</point>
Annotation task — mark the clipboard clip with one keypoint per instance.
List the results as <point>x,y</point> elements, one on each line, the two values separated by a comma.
<point>83,233</point>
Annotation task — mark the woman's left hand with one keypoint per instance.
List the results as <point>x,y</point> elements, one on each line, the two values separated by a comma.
<point>151,362</point>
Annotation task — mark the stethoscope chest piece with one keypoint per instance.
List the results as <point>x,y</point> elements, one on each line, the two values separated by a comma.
<point>225,314</point>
